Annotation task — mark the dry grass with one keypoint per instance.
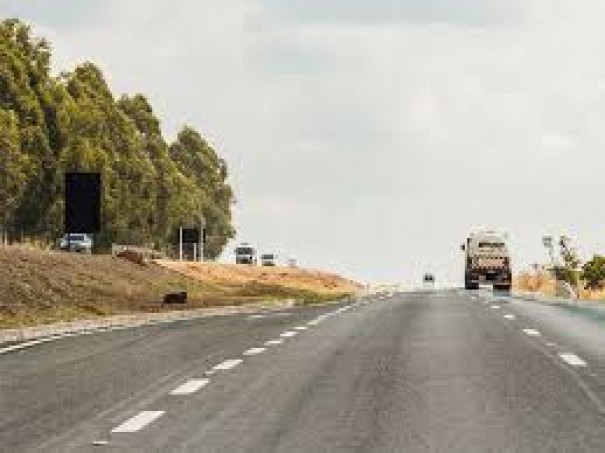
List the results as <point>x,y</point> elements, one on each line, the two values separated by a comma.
<point>38,286</point>
<point>543,283</point>
<point>285,277</point>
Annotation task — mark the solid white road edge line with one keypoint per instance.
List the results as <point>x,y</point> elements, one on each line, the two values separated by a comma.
<point>190,387</point>
<point>227,365</point>
<point>138,422</point>
<point>572,359</point>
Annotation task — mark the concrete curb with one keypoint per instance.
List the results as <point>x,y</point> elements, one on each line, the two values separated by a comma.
<point>133,320</point>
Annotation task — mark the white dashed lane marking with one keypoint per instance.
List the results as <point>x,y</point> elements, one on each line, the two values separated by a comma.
<point>138,422</point>
<point>268,315</point>
<point>254,351</point>
<point>572,359</point>
<point>496,307</point>
<point>509,316</point>
<point>289,334</point>
<point>301,328</point>
<point>190,387</point>
<point>227,365</point>
<point>273,342</point>
<point>531,332</point>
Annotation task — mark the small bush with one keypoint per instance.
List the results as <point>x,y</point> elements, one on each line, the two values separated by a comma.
<point>593,273</point>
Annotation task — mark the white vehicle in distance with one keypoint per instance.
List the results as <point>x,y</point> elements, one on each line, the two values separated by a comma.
<point>76,242</point>
<point>245,254</point>
<point>268,259</point>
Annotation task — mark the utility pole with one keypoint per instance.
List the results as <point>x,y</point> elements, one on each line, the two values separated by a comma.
<point>547,241</point>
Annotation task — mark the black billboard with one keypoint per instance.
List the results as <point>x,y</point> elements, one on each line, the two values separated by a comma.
<point>82,202</point>
<point>191,235</point>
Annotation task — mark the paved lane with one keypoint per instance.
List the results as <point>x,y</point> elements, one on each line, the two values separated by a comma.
<point>428,371</point>
<point>54,387</point>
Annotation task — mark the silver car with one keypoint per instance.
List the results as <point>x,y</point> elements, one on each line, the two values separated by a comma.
<point>76,242</point>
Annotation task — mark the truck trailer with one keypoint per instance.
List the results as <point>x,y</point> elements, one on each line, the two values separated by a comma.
<point>487,261</point>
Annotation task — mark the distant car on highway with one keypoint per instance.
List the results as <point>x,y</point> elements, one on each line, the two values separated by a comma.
<point>76,242</point>
<point>245,254</point>
<point>268,259</point>
<point>428,279</point>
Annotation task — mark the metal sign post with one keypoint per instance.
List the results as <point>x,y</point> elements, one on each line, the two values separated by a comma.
<point>181,244</point>
<point>202,236</point>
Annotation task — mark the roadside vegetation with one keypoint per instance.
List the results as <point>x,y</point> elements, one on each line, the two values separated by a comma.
<point>39,287</point>
<point>52,124</point>
<point>588,279</point>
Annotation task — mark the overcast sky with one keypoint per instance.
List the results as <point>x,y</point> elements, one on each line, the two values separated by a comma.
<point>369,137</point>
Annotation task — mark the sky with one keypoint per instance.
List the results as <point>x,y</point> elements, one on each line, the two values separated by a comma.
<point>369,138</point>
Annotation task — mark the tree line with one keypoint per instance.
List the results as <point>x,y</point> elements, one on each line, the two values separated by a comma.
<point>51,124</point>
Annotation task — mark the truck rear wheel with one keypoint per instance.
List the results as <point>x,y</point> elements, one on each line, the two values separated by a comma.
<point>502,288</point>
<point>470,285</point>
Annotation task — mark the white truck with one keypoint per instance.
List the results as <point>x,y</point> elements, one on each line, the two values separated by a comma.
<point>487,261</point>
<point>245,254</point>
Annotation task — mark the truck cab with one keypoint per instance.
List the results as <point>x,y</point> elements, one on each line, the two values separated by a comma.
<point>487,261</point>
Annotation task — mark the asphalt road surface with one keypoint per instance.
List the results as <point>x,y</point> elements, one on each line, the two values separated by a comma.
<point>428,371</point>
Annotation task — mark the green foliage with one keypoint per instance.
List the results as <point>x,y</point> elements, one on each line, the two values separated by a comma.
<point>565,274</point>
<point>569,254</point>
<point>50,125</point>
<point>593,272</point>
<point>199,162</point>
<point>14,166</point>
<point>568,270</point>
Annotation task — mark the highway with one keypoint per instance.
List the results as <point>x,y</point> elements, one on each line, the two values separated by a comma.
<point>424,371</point>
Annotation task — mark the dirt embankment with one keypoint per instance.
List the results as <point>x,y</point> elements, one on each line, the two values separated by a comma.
<point>39,287</point>
<point>238,276</point>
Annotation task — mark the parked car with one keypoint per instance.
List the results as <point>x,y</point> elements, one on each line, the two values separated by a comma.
<point>429,279</point>
<point>76,242</point>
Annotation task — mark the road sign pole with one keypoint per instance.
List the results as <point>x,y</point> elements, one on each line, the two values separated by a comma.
<point>181,244</point>
<point>201,241</point>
